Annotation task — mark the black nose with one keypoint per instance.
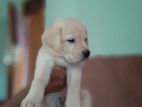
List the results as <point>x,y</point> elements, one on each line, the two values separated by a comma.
<point>86,53</point>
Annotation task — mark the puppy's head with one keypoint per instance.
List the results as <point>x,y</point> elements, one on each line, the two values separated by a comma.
<point>68,38</point>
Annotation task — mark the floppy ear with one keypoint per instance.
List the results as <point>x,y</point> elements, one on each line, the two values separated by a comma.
<point>52,36</point>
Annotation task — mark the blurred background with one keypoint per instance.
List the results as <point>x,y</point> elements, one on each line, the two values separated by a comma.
<point>114,71</point>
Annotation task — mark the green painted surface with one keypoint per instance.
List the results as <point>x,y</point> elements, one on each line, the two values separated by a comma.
<point>3,35</point>
<point>3,72</point>
<point>114,26</point>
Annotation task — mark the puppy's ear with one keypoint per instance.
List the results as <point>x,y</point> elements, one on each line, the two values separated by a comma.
<point>52,36</point>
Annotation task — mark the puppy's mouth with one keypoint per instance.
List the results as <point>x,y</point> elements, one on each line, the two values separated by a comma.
<point>70,60</point>
<point>74,60</point>
<point>66,59</point>
<point>85,58</point>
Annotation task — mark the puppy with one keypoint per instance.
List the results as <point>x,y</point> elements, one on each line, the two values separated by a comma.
<point>64,43</point>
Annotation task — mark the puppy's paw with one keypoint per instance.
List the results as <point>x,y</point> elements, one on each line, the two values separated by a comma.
<point>30,102</point>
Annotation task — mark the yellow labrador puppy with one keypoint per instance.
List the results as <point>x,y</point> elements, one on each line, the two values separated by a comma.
<point>64,43</point>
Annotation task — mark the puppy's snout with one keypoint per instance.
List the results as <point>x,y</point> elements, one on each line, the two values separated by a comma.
<point>86,53</point>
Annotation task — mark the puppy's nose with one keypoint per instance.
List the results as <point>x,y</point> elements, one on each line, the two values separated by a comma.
<point>86,53</point>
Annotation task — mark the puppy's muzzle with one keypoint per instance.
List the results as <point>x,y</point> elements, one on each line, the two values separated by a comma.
<point>86,53</point>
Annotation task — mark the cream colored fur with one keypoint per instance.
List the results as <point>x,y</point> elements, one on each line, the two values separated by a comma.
<point>57,49</point>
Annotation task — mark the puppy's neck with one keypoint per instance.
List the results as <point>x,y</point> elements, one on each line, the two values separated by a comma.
<point>58,60</point>
<point>50,51</point>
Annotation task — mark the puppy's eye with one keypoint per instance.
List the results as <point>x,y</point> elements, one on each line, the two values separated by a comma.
<point>71,40</point>
<point>86,39</point>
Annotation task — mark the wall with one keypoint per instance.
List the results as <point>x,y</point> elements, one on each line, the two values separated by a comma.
<point>3,35</point>
<point>114,26</point>
<point>3,40</point>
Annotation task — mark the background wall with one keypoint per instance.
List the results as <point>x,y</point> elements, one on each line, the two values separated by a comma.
<point>114,26</point>
<point>3,40</point>
<point>3,36</point>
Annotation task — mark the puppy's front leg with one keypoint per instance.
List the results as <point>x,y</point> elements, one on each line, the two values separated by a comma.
<point>86,100</point>
<point>73,89</point>
<point>43,70</point>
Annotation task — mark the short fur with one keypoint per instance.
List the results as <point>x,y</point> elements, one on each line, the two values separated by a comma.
<point>63,43</point>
